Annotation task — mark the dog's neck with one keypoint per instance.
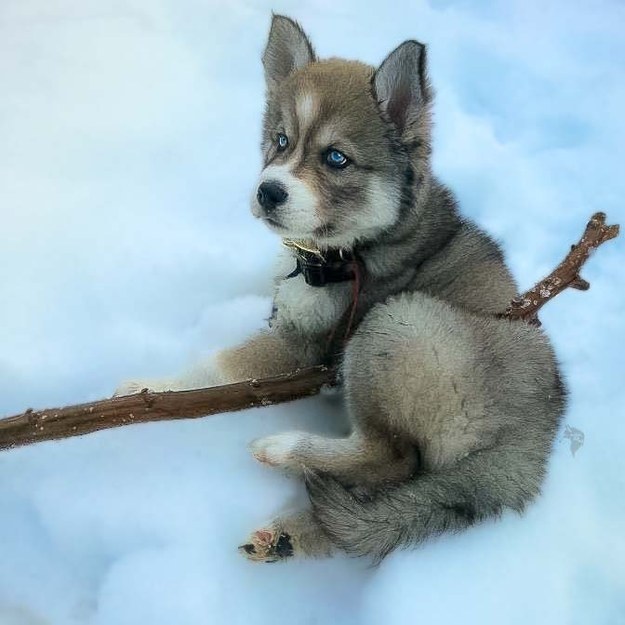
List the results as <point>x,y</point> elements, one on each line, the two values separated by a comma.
<point>428,220</point>
<point>320,268</point>
<point>426,224</point>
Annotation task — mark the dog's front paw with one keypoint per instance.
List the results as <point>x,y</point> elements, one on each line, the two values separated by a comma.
<point>267,545</point>
<point>130,388</point>
<point>137,386</point>
<point>279,450</point>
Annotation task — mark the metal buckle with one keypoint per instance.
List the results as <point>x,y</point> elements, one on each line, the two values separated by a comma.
<point>302,246</point>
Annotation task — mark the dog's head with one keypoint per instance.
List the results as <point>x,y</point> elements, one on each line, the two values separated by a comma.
<point>342,141</point>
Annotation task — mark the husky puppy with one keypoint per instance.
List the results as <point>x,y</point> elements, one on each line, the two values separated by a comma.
<point>453,410</point>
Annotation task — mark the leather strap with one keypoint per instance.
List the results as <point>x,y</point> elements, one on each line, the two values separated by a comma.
<point>334,266</point>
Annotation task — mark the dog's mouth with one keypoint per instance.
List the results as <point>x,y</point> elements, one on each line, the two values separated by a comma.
<point>272,222</point>
<point>320,236</point>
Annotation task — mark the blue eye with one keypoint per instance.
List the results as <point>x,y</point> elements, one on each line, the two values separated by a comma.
<point>336,159</point>
<point>282,141</point>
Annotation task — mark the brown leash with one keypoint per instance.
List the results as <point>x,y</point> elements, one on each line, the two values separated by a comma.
<point>347,319</point>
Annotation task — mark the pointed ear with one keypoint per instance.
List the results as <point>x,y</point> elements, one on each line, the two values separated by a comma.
<point>401,85</point>
<point>288,49</point>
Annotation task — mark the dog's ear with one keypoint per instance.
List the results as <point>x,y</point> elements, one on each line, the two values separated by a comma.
<point>401,85</point>
<point>287,49</point>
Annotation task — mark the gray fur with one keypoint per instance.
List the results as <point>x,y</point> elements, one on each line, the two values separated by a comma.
<point>288,50</point>
<point>402,87</point>
<point>479,397</point>
<point>453,410</point>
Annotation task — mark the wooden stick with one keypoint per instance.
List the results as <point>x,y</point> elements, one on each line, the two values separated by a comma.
<point>56,423</point>
<point>566,274</point>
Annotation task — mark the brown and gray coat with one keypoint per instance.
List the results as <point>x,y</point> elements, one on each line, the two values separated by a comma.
<point>453,410</point>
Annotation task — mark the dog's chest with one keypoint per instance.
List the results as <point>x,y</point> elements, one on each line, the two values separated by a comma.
<point>311,309</point>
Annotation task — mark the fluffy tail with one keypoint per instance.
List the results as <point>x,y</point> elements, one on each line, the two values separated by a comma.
<point>479,486</point>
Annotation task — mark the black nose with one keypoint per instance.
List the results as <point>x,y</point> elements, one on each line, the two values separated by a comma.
<point>271,194</point>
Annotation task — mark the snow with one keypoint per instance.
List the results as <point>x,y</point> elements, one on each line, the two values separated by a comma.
<point>129,133</point>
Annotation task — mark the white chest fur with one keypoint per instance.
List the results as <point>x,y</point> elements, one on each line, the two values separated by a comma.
<point>312,309</point>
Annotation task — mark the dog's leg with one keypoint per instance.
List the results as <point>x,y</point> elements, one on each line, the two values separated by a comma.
<point>264,355</point>
<point>355,459</point>
<point>287,536</point>
<point>479,396</point>
<point>203,374</point>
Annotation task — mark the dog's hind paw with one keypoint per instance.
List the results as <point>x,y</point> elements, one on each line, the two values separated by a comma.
<point>267,545</point>
<point>279,450</point>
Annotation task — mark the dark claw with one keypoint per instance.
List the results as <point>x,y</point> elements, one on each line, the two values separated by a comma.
<point>284,547</point>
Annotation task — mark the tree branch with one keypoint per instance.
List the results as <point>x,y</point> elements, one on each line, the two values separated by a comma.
<point>566,274</point>
<point>56,423</point>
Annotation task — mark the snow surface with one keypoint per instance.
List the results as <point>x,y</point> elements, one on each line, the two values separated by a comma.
<point>128,134</point>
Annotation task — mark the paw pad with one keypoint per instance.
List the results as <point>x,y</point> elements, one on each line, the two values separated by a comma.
<point>267,546</point>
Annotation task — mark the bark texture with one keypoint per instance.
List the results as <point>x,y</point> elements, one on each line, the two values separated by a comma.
<point>54,423</point>
<point>566,274</point>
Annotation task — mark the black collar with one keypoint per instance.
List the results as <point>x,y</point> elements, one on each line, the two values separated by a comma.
<point>319,269</point>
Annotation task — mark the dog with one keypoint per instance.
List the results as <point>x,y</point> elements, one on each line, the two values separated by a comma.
<point>453,408</point>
